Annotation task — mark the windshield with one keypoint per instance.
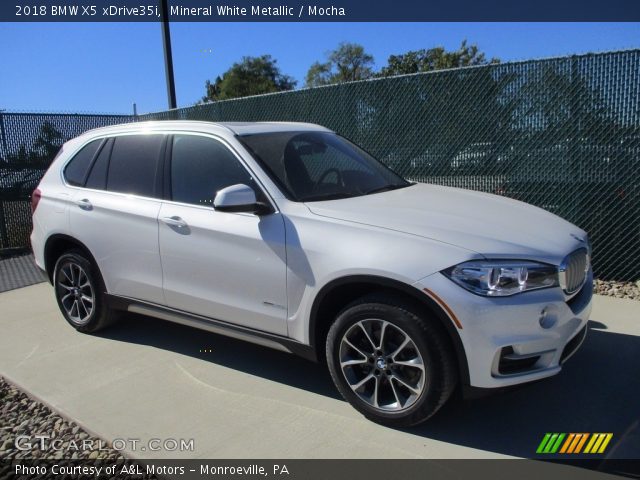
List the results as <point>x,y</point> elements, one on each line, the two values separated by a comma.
<point>314,166</point>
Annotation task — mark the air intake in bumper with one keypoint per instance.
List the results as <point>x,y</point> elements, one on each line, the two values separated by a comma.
<point>573,345</point>
<point>511,363</point>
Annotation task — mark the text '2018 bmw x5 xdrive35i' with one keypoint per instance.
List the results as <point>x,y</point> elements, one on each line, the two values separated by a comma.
<point>288,235</point>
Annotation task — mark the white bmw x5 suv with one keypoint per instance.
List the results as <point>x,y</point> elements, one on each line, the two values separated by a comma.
<point>290,236</point>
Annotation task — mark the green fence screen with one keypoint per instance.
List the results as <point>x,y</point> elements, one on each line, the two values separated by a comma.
<point>28,144</point>
<point>562,133</point>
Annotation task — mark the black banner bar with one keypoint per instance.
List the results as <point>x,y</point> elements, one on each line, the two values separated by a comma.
<point>319,11</point>
<point>520,469</point>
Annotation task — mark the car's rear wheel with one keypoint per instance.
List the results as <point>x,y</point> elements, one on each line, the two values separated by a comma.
<point>389,361</point>
<point>80,293</point>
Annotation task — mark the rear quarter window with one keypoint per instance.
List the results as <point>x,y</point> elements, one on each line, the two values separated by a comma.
<point>97,178</point>
<point>76,170</point>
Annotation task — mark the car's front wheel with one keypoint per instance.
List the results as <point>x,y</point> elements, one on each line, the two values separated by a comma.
<point>389,361</point>
<point>80,293</point>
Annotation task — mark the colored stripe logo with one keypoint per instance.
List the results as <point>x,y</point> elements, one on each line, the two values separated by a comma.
<point>594,443</point>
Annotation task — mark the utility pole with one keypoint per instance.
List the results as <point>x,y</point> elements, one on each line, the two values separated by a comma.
<point>4,237</point>
<point>168,58</point>
<point>4,137</point>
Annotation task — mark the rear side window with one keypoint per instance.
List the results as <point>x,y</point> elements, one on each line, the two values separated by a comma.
<point>134,164</point>
<point>76,170</point>
<point>201,166</point>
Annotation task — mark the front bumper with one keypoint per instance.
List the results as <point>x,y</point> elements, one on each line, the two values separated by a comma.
<point>506,340</point>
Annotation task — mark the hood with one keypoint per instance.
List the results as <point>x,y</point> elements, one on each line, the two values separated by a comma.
<point>491,225</point>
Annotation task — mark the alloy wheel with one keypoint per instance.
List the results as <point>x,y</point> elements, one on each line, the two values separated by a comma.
<point>382,365</point>
<point>76,293</point>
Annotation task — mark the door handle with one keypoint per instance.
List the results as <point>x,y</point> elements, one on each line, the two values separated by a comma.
<point>174,221</point>
<point>84,204</point>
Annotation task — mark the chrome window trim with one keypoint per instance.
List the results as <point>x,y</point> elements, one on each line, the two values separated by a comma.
<point>168,131</point>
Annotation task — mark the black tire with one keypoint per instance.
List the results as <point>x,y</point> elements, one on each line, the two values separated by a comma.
<point>76,278</point>
<point>397,381</point>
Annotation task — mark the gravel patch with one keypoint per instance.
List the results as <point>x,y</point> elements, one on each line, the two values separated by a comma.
<point>25,418</point>
<point>21,415</point>
<point>612,288</point>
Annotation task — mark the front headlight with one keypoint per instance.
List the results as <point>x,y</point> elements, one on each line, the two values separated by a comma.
<point>501,278</point>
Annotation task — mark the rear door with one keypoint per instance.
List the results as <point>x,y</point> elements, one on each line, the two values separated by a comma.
<point>222,265</point>
<point>115,214</point>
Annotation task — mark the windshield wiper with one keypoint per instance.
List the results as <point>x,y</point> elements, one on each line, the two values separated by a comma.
<point>385,188</point>
<point>327,196</point>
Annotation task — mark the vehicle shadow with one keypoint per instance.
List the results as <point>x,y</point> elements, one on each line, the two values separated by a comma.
<point>239,355</point>
<point>597,391</point>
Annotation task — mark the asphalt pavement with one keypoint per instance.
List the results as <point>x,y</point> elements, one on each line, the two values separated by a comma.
<point>146,379</point>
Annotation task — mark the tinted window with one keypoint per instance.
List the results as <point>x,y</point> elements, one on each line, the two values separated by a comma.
<point>200,167</point>
<point>76,170</point>
<point>312,166</point>
<point>98,175</point>
<point>134,164</point>
<point>322,163</point>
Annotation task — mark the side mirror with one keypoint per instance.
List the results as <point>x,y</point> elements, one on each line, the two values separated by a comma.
<point>239,198</point>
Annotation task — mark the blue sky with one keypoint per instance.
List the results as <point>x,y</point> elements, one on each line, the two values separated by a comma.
<point>105,67</point>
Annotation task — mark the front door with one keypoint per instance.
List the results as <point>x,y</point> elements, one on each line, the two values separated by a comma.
<point>225,266</point>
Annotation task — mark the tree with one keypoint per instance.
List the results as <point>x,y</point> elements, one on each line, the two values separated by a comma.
<point>437,58</point>
<point>24,167</point>
<point>44,149</point>
<point>48,141</point>
<point>251,76</point>
<point>347,63</point>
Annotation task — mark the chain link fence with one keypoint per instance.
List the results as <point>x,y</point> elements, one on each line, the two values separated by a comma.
<point>28,144</point>
<point>562,133</point>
